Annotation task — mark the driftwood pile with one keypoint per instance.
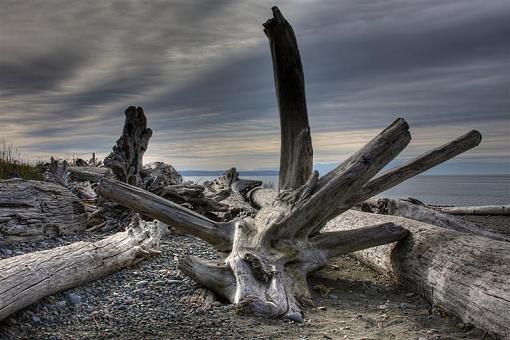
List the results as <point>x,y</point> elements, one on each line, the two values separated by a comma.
<point>268,241</point>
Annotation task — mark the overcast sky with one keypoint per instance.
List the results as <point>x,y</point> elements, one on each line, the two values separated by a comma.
<point>202,72</point>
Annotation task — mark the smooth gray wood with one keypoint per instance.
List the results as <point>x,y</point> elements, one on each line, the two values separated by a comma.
<point>416,210</point>
<point>478,210</point>
<point>34,210</point>
<point>296,153</point>
<point>467,275</point>
<point>25,279</point>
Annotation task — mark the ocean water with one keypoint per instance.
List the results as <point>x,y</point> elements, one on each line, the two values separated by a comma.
<point>433,189</point>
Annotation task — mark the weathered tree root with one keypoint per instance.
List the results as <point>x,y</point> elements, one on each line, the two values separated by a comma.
<point>265,259</point>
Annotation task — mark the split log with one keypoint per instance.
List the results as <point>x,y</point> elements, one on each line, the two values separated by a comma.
<point>466,275</point>
<point>33,210</point>
<point>478,210</point>
<point>126,159</point>
<point>27,278</point>
<point>416,210</point>
<point>266,259</point>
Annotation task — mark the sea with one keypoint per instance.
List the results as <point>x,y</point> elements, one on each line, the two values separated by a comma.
<point>456,190</point>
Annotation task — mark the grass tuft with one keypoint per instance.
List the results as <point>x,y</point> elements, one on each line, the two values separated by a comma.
<point>12,165</point>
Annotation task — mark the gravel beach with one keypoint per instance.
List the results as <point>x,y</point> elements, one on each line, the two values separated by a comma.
<point>154,300</point>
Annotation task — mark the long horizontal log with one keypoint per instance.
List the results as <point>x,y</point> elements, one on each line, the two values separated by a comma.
<point>28,278</point>
<point>467,275</point>
<point>423,213</point>
<point>478,210</point>
<point>91,174</point>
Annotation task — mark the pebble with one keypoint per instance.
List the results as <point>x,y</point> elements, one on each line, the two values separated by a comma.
<point>36,319</point>
<point>74,299</point>
<point>409,295</point>
<point>141,284</point>
<point>60,304</point>
<point>405,305</point>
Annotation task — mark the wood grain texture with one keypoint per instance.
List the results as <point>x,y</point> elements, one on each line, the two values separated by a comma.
<point>296,153</point>
<point>26,279</point>
<point>467,275</point>
<point>33,210</point>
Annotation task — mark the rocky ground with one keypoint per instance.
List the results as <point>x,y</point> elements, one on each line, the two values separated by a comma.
<point>153,300</point>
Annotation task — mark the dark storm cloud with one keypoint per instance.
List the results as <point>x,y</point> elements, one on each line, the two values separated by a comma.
<point>202,71</point>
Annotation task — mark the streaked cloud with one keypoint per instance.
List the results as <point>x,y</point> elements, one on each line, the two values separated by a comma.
<point>202,72</point>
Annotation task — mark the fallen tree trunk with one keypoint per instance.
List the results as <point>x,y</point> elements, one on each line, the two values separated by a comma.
<point>27,278</point>
<point>466,275</point>
<point>33,210</point>
<point>91,174</point>
<point>416,210</point>
<point>478,210</point>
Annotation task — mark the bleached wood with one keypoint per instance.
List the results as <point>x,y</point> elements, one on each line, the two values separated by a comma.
<point>33,210</point>
<point>416,210</point>
<point>25,279</point>
<point>478,210</point>
<point>467,275</point>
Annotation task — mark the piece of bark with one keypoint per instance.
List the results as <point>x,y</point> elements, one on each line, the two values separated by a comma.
<point>415,210</point>
<point>126,159</point>
<point>33,210</point>
<point>296,153</point>
<point>25,279</point>
<point>478,210</point>
<point>467,275</point>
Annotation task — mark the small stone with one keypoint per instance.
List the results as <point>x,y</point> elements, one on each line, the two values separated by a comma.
<point>383,307</point>
<point>216,304</point>
<point>74,299</point>
<point>322,308</point>
<point>333,296</point>
<point>60,304</point>
<point>325,336</point>
<point>36,319</point>
<point>141,284</point>
<point>431,331</point>
<point>405,305</point>
<point>422,338</point>
<point>172,282</point>
<point>409,295</point>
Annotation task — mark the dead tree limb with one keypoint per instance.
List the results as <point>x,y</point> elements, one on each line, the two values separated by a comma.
<point>27,278</point>
<point>418,211</point>
<point>296,153</point>
<point>467,275</point>
<point>33,210</point>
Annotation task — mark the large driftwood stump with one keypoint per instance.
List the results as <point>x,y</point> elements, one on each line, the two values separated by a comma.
<point>127,155</point>
<point>27,278</point>
<point>32,210</point>
<point>266,259</point>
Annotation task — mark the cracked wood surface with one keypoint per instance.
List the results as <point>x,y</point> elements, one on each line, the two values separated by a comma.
<point>27,278</point>
<point>33,210</point>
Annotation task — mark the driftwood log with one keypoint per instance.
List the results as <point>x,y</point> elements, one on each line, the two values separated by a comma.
<point>33,210</point>
<point>266,259</point>
<point>478,210</point>
<point>27,278</point>
<point>467,275</point>
<point>416,210</point>
<point>89,173</point>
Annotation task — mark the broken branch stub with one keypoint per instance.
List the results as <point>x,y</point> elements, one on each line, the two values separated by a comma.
<point>126,158</point>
